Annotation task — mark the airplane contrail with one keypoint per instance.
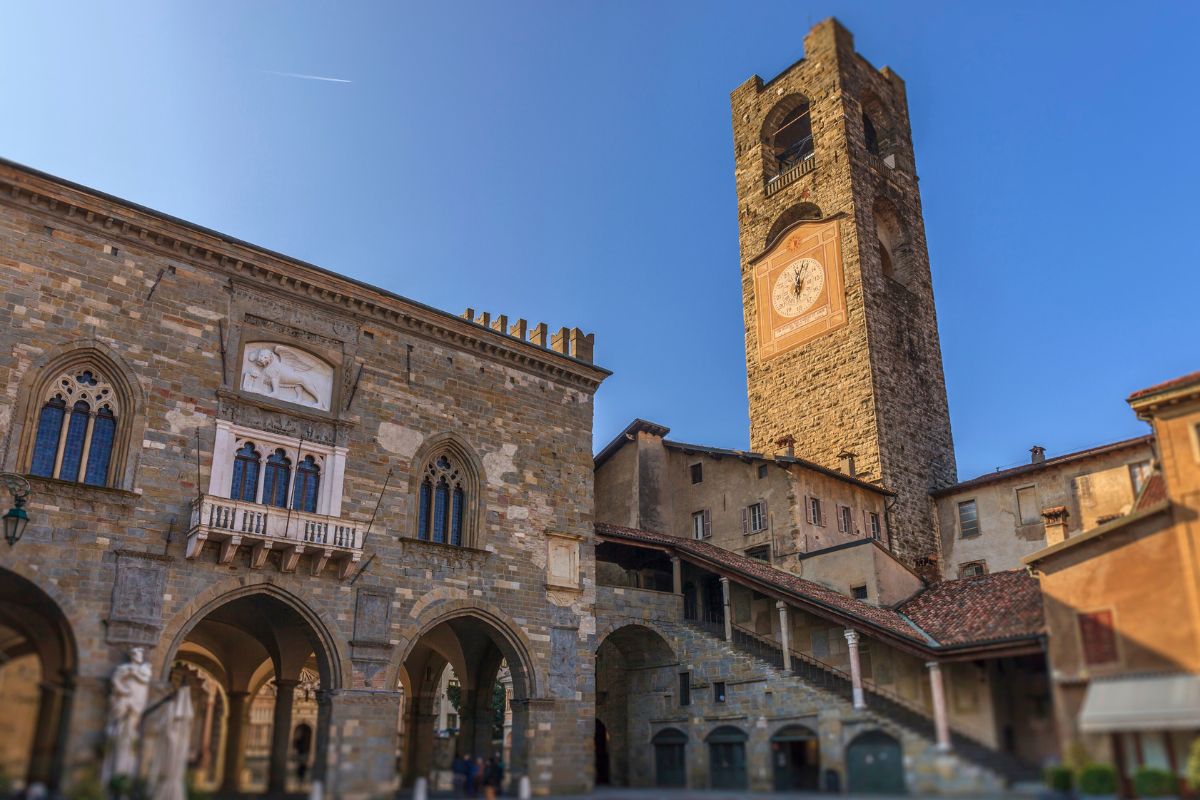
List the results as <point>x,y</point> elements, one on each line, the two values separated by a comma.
<point>306,77</point>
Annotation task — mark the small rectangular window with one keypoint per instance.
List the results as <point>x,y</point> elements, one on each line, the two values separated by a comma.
<point>758,520</point>
<point>762,553</point>
<point>845,522</point>
<point>968,519</point>
<point>1138,473</point>
<point>685,688</point>
<point>1028,508</point>
<point>718,691</point>
<point>1098,637</point>
<point>876,530</point>
<point>762,471</point>
<point>814,511</point>
<point>973,569</point>
<point>858,592</point>
<point>700,525</point>
<point>697,473</point>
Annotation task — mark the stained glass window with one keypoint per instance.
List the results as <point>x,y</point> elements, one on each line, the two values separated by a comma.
<point>441,497</point>
<point>275,481</point>
<point>77,430</point>
<point>245,474</point>
<point>104,428</point>
<point>45,446</point>
<point>456,516</point>
<point>308,480</point>
<point>423,512</point>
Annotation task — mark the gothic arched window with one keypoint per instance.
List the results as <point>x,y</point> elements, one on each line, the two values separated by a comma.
<point>275,480</point>
<point>76,444</point>
<point>308,482</point>
<point>442,502</point>
<point>246,464</point>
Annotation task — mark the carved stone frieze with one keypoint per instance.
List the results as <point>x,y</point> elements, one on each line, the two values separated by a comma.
<point>245,410</point>
<point>135,617</point>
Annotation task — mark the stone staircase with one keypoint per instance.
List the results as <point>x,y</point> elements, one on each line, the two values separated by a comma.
<point>836,685</point>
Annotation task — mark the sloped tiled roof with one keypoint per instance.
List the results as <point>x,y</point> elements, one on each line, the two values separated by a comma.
<point>1174,383</point>
<point>998,607</point>
<point>987,608</point>
<point>1153,493</point>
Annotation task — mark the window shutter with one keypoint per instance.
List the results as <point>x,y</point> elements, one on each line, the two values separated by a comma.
<point>841,520</point>
<point>745,520</point>
<point>707,523</point>
<point>807,510</point>
<point>766,521</point>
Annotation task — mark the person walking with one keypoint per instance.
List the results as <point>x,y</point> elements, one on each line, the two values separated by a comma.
<point>471,775</point>
<point>493,778</point>
<point>459,768</point>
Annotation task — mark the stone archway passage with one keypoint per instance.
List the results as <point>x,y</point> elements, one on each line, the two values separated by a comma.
<point>38,661</point>
<point>634,667</point>
<point>796,758</point>
<point>275,672</point>
<point>875,764</point>
<point>494,686</point>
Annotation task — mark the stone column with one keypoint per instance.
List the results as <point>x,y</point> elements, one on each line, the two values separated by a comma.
<point>46,734</point>
<point>676,575</point>
<point>855,668</point>
<point>321,737</point>
<point>940,721</point>
<point>235,735</point>
<point>785,634</point>
<point>728,610</point>
<point>281,734</point>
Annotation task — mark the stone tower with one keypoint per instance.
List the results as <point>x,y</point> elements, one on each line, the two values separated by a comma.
<point>842,349</point>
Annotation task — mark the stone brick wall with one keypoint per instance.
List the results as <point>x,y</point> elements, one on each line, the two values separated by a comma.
<point>874,386</point>
<point>161,300</point>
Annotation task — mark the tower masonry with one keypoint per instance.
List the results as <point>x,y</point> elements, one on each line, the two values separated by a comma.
<point>842,350</point>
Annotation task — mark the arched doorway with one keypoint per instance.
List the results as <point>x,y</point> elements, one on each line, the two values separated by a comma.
<point>727,758</point>
<point>796,757</point>
<point>635,666</point>
<point>601,747</point>
<point>471,670</point>
<point>875,764</point>
<point>264,668</point>
<point>670,758</point>
<point>37,677</point>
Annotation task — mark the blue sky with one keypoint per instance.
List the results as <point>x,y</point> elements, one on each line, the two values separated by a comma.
<point>572,163</point>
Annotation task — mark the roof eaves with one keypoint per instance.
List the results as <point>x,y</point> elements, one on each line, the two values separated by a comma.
<point>747,455</point>
<point>1066,458</point>
<point>1095,533</point>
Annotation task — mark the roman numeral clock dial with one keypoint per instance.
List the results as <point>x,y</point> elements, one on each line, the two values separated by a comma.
<point>798,288</point>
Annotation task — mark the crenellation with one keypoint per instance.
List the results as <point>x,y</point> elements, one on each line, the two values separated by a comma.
<point>571,342</point>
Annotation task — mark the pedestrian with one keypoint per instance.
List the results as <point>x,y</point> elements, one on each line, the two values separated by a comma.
<point>459,768</point>
<point>492,779</point>
<point>471,775</point>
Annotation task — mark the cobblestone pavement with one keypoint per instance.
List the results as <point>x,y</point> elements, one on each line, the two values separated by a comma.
<point>713,794</point>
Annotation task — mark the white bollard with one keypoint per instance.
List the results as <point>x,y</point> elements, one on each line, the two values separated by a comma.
<point>525,789</point>
<point>316,791</point>
<point>421,789</point>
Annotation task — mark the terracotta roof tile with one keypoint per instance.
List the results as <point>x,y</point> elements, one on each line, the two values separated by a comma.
<point>1174,383</point>
<point>987,608</point>
<point>1153,493</point>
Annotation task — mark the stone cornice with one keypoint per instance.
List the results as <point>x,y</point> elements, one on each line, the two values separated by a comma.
<point>120,221</point>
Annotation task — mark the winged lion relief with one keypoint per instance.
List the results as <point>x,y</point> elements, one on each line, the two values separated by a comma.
<point>288,374</point>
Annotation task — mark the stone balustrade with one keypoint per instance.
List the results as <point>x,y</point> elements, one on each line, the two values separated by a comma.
<point>266,529</point>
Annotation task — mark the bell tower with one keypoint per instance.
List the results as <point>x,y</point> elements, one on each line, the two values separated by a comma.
<point>842,350</point>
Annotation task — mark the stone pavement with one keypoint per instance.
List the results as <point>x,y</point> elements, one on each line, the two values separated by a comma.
<point>607,793</point>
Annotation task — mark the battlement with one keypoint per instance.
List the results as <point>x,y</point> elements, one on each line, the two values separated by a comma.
<point>571,342</point>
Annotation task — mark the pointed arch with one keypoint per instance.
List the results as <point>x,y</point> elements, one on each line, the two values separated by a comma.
<point>787,136</point>
<point>115,401</point>
<point>445,490</point>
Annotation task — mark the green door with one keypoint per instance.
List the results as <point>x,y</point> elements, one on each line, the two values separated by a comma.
<point>727,758</point>
<point>875,764</point>
<point>669,758</point>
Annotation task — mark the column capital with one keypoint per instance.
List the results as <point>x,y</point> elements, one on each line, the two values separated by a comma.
<point>933,665</point>
<point>781,605</point>
<point>675,559</point>
<point>287,683</point>
<point>851,637</point>
<point>724,581</point>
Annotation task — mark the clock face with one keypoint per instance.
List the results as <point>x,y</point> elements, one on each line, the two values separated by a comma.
<point>798,287</point>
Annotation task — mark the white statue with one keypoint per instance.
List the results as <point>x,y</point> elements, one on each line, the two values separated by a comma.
<point>169,743</point>
<point>287,374</point>
<point>126,703</point>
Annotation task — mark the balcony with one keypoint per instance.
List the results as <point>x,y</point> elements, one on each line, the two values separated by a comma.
<point>790,174</point>
<point>233,524</point>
